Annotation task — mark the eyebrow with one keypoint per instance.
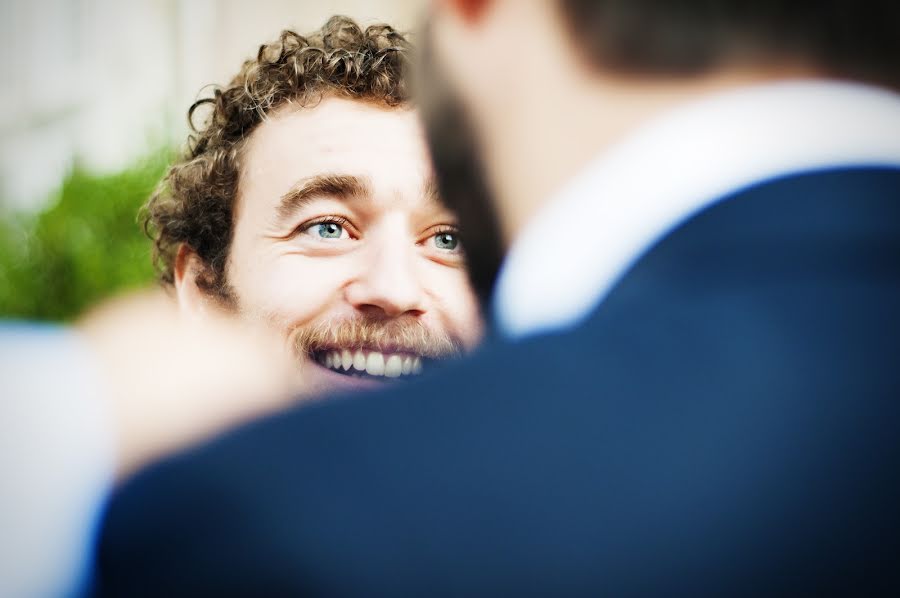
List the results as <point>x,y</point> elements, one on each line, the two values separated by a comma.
<point>338,186</point>
<point>433,191</point>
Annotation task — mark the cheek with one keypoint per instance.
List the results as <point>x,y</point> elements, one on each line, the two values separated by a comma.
<point>456,304</point>
<point>291,288</point>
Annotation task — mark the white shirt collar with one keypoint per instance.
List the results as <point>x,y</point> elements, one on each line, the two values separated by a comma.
<point>574,250</point>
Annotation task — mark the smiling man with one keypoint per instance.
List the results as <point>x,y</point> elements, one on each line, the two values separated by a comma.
<point>306,201</point>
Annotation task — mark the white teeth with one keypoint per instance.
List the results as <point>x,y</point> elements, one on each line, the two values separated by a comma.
<point>393,367</point>
<point>359,360</point>
<point>375,364</point>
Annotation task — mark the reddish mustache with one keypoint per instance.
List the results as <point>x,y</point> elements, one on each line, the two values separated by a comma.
<point>397,336</point>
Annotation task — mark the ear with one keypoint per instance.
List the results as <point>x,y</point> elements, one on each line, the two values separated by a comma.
<point>468,10</point>
<point>193,301</point>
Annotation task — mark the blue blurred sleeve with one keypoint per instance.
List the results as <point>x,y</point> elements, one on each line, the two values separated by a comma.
<point>57,460</point>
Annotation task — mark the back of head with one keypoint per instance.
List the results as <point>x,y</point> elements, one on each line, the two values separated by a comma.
<point>852,39</point>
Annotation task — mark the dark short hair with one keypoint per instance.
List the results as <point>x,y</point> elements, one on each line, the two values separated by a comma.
<point>194,203</point>
<point>856,39</point>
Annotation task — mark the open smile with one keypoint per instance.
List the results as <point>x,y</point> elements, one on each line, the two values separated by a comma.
<point>375,365</point>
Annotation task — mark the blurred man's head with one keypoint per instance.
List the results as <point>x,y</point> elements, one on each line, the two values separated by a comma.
<point>537,88</point>
<point>306,200</point>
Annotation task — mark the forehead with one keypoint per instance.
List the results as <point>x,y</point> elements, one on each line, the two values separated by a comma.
<point>336,136</point>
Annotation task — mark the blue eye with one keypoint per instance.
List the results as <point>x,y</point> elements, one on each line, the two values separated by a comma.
<point>330,230</point>
<point>446,241</point>
<point>327,230</point>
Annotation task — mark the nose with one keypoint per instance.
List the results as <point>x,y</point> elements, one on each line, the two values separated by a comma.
<point>388,285</point>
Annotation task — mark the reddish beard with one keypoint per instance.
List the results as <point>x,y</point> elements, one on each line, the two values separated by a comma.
<point>402,335</point>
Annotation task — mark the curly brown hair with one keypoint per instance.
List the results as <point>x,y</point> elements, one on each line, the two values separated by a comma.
<point>193,204</point>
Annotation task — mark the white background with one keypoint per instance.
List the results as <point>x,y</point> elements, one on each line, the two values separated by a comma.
<point>105,81</point>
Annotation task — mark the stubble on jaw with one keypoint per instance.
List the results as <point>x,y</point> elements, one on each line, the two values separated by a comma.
<point>404,334</point>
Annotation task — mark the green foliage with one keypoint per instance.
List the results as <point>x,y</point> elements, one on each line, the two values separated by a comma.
<point>85,246</point>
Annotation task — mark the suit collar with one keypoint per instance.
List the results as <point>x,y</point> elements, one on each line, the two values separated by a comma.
<point>575,249</point>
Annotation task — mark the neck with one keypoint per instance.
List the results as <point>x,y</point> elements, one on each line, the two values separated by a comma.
<point>528,164</point>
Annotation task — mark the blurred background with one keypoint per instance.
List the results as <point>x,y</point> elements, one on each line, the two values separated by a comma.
<point>92,109</point>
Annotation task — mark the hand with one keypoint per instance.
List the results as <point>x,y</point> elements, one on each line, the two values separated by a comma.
<point>172,381</point>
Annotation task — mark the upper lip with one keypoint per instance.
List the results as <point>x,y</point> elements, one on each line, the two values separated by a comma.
<point>389,349</point>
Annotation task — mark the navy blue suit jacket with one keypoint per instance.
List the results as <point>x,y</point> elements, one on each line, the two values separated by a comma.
<point>726,421</point>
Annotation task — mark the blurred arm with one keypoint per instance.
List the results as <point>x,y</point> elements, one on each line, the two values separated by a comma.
<point>57,460</point>
<point>83,408</point>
